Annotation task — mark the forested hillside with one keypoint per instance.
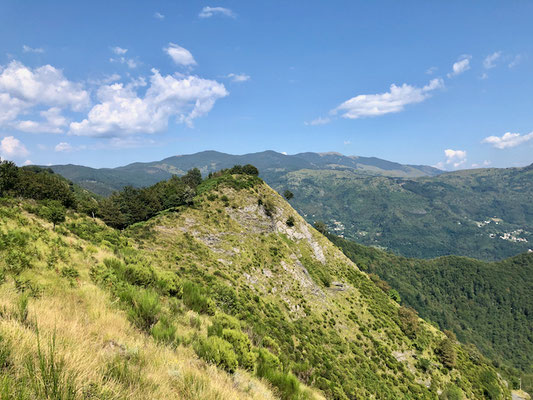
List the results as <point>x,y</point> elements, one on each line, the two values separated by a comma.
<point>228,294</point>
<point>487,304</point>
<point>485,214</point>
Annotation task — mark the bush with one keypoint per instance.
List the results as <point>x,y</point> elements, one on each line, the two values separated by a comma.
<point>196,300</point>
<point>164,331</point>
<point>144,306</point>
<point>220,322</point>
<point>290,221</point>
<point>216,351</point>
<point>452,392</point>
<point>138,275</point>
<point>446,353</point>
<point>241,346</point>
<point>169,284</point>
<point>409,321</point>
<point>288,194</point>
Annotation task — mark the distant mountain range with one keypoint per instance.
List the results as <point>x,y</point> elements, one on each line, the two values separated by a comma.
<point>271,164</point>
<point>412,210</point>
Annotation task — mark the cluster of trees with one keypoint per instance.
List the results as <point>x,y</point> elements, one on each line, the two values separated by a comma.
<point>121,209</point>
<point>132,205</point>
<point>35,183</point>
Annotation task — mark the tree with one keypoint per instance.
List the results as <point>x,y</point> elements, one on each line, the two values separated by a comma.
<point>446,353</point>
<point>8,176</point>
<point>321,227</point>
<point>409,321</point>
<point>192,178</point>
<point>249,169</point>
<point>288,194</point>
<point>55,212</point>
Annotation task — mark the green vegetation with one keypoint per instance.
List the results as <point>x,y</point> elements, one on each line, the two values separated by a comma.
<point>222,278</point>
<point>486,304</point>
<point>485,214</point>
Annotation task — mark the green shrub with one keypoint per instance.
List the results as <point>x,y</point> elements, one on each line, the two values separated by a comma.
<point>409,323</point>
<point>447,354</point>
<point>220,322</point>
<point>138,275</point>
<point>217,351</point>
<point>169,284</point>
<point>423,364</point>
<point>70,272</point>
<point>452,392</point>
<point>196,300</point>
<point>290,221</point>
<point>241,346</point>
<point>164,331</point>
<point>144,306</point>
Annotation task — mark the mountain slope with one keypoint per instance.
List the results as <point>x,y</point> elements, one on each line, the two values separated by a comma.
<point>488,304</point>
<point>485,213</point>
<point>237,277</point>
<point>271,164</point>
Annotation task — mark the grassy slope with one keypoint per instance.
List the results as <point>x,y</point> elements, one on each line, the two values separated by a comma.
<point>424,217</point>
<point>488,304</point>
<point>334,328</point>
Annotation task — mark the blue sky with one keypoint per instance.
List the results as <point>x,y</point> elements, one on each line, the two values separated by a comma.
<point>445,83</point>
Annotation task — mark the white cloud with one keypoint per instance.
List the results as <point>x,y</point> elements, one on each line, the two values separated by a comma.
<point>284,153</point>
<point>239,77</point>
<point>180,55</point>
<point>347,142</point>
<point>119,50</point>
<point>28,49</point>
<point>208,12</point>
<point>318,121</point>
<point>508,140</point>
<point>23,88</point>
<point>28,162</point>
<point>490,61</point>
<point>158,15</point>
<point>462,65</point>
<point>12,147</point>
<point>515,61</point>
<point>483,76</point>
<point>63,147</point>
<point>121,111</point>
<point>431,70</point>
<point>372,105</point>
<point>54,122</point>
<point>455,157</point>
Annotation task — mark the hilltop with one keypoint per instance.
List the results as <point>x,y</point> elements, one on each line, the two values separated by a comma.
<point>271,164</point>
<point>230,295</point>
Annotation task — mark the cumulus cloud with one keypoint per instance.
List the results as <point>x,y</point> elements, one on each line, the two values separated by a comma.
<point>455,157</point>
<point>28,162</point>
<point>180,55</point>
<point>239,77</point>
<point>121,59</point>
<point>53,122</point>
<point>28,49</point>
<point>318,121</point>
<point>208,12</point>
<point>490,61</point>
<point>393,101</point>
<point>508,140</point>
<point>63,147</point>
<point>119,50</point>
<point>158,15</point>
<point>12,147</point>
<point>23,88</point>
<point>462,65</point>
<point>121,111</point>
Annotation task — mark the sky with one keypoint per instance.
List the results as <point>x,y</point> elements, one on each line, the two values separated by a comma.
<point>103,84</point>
